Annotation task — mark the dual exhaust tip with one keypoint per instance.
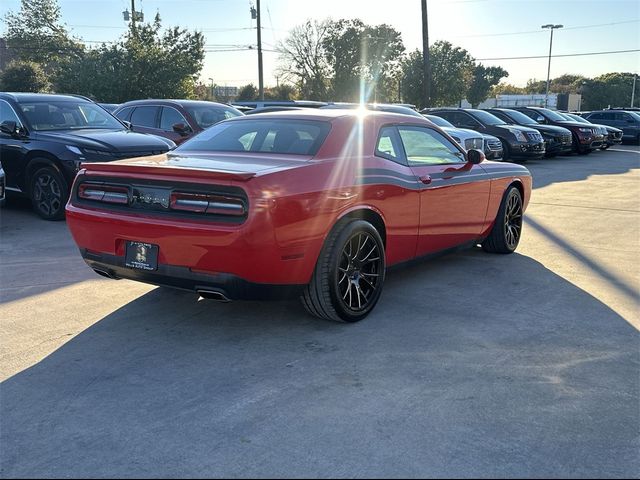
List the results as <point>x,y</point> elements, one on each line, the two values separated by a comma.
<point>215,295</point>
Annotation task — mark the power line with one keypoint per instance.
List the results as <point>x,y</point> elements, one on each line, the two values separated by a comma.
<point>560,56</point>
<point>577,27</point>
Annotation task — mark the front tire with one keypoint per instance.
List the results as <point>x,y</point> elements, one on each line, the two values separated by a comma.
<point>49,193</point>
<point>507,229</point>
<point>349,275</point>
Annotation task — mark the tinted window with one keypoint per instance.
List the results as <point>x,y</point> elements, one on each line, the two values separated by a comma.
<point>272,136</point>
<point>621,116</point>
<point>124,113</point>
<point>67,115</point>
<point>534,115</point>
<point>439,121</point>
<point>169,117</point>
<point>486,118</point>
<point>7,114</point>
<point>205,115</point>
<point>519,118</point>
<point>551,115</point>
<point>424,146</point>
<point>145,117</point>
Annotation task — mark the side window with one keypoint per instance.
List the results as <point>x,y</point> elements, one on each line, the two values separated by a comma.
<point>145,117</point>
<point>7,114</point>
<point>623,117</point>
<point>451,117</point>
<point>596,116</point>
<point>124,113</point>
<point>466,120</point>
<point>424,147</point>
<point>169,117</point>
<point>388,145</point>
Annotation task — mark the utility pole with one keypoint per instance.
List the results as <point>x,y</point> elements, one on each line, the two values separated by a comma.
<point>425,56</point>
<point>255,14</point>
<point>552,27</point>
<point>633,89</point>
<point>133,17</point>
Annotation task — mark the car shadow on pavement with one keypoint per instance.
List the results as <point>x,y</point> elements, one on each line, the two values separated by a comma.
<point>467,367</point>
<point>548,171</point>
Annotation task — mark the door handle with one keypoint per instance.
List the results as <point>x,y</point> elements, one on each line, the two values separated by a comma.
<point>426,179</point>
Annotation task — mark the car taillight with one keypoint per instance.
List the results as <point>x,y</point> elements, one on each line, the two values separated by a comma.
<point>104,193</point>
<point>204,203</point>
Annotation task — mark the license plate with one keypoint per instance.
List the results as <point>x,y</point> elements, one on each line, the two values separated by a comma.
<point>142,256</point>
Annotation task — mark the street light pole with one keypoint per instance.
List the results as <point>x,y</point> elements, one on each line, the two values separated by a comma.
<point>552,27</point>
<point>212,97</point>
<point>425,56</point>
<point>633,89</point>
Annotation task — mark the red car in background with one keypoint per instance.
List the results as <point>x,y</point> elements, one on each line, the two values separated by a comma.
<point>316,203</point>
<point>177,120</point>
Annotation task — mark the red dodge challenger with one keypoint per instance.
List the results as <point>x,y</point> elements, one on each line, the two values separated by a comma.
<point>316,203</point>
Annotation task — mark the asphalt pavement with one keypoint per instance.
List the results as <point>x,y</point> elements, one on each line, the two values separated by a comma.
<point>472,365</point>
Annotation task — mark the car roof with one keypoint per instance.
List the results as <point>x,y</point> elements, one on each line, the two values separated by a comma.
<point>43,97</point>
<point>173,102</point>
<point>322,114</point>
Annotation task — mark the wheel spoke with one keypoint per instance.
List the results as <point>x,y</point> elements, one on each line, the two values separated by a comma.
<point>368,254</point>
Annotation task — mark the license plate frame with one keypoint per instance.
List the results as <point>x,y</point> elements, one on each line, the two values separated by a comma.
<point>141,255</point>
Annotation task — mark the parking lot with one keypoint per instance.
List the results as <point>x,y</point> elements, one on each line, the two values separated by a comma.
<point>471,365</point>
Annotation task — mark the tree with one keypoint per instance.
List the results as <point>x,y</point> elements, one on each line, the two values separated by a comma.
<point>451,69</point>
<point>482,80</point>
<point>24,77</point>
<point>364,60</point>
<point>302,59</point>
<point>608,90</point>
<point>412,79</point>
<point>247,93</point>
<point>144,64</point>
<point>37,35</point>
<point>506,89</point>
<point>281,92</point>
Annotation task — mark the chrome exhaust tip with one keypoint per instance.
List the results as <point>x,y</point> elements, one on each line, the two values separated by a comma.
<point>213,295</point>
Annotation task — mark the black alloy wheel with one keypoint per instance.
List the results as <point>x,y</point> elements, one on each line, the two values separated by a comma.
<point>359,271</point>
<point>513,221</point>
<point>349,275</point>
<point>49,193</point>
<point>507,229</point>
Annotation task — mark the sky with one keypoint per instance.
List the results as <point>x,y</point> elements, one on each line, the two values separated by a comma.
<point>488,29</point>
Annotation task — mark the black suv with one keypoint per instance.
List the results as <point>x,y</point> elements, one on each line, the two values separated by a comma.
<point>627,121</point>
<point>45,138</point>
<point>585,138</point>
<point>556,139</point>
<point>519,143</point>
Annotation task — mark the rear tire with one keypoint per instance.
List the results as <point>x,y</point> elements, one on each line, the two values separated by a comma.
<point>349,275</point>
<point>49,193</point>
<point>507,229</point>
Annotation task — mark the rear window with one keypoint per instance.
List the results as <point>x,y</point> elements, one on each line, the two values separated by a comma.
<point>295,137</point>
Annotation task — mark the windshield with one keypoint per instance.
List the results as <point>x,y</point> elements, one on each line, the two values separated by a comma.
<point>575,118</point>
<point>486,117</point>
<point>551,115</point>
<point>206,115</point>
<point>296,137</point>
<point>520,118</point>
<point>68,115</point>
<point>439,121</point>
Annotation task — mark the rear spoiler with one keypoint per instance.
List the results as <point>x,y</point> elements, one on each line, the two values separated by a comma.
<point>155,169</point>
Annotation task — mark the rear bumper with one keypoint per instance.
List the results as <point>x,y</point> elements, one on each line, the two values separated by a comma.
<point>229,286</point>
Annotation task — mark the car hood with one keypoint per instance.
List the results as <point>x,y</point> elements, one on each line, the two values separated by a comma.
<point>515,127</point>
<point>461,133</point>
<point>609,129</point>
<point>551,129</point>
<point>111,140</point>
<point>570,124</point>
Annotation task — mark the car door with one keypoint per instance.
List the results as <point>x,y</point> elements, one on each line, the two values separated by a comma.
<point>12,149</point>
<point>169,117</point>
<point>454,194</point>
<point>625,122</point>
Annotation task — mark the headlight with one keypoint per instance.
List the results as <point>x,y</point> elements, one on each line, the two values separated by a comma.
<point>585,130</point>
<point>520,136</point>
<point>73,149</point>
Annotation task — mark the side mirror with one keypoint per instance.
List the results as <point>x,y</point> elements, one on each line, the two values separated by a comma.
<point>182,129</point>
<point>475,157</point>
<point>9,127</point>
